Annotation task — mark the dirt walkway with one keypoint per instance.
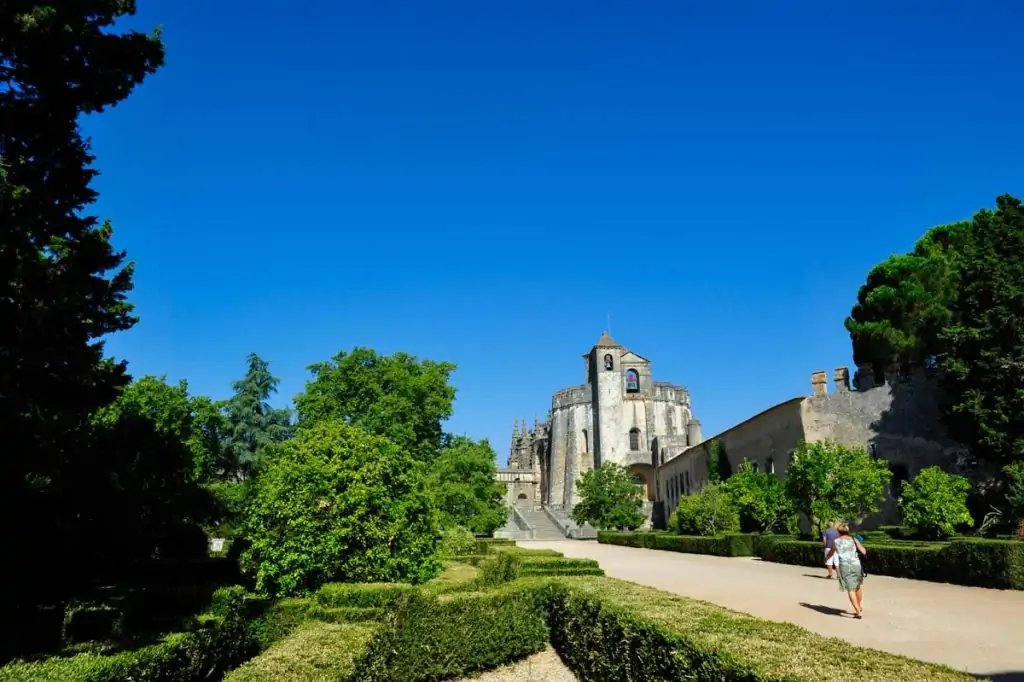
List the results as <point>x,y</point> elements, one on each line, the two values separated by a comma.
<point>977,630</point>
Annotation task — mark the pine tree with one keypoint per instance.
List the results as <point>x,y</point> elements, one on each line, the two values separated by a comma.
<point>252,423</point>
<point>63,286</point>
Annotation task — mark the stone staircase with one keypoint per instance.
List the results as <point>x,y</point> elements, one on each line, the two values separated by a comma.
<point>544,527</point>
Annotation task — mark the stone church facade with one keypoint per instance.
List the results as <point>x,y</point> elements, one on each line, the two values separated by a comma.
<point>621,414</point>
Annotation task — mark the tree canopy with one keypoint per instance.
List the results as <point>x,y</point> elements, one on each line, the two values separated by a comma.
<point>462,482</point>
<point>760,498</point>
<point>709,511</point>
<point>338,504</point>
<point>609,498</point>
<point>934,504</point>
<point>397,396</point>
<point>829,481</point>
<point>64,286</point>
<point>251,423</point>
<point>958,300</point>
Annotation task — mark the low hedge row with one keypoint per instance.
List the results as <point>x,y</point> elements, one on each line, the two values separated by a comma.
<point>608,629</point>
<point>729,544</point>
<point>222,641</point>
<point>964,561</point>
<point>982,563</point>
<point>313,651</point>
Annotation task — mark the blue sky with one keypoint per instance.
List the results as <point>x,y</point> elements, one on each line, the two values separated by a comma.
<point>484,182</point>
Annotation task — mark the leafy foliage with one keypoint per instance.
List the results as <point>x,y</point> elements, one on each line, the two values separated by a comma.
<point>608,498</point>
<point>983,365</point>
<point>456,541</point>
<point>396,396</point>
<point>760,498</point>
<point>828,481</point>
<point>1015,490</point>
<point>338,504</point>
<point>464,488</point>
<point>64,287</point>
<point>252,424</point>
<point>707,512</point>
<point>935,503</point>
<point>717,462</point>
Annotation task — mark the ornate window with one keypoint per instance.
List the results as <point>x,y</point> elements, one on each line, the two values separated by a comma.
<point>632,381</point>
<point>609,363</point>
<point>634,439</point>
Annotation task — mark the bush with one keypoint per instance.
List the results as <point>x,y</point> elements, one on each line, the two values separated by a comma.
<point>729,544</point>
<point>608,499</point>
<point>375,595</point>
<point>708,512</point>
<point>90,622</point>
<point>338,504</point>
<point>484,545</point>
<point>611,630</point>
<point>760,497</point>
<point>314,651</point>
<point>935,503</point>
<point>220,644</point>
<point>499,569</point>
<point>434,639</point>
<point>455,541</point>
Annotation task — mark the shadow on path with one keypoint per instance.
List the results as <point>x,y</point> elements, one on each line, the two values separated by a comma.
<point>1003,677</point>
<point>827,610</point>
<point>820,577</point>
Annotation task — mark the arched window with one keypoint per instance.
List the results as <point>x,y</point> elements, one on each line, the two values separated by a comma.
<point>634,439</point>
<point>586,442</point>
<point>609,363</point>
<point>687,482</point>
<point>769,465</point>
<point>632,381</point>
<point>755,466</point>
<point>899,476</point>
<point>522,496</point>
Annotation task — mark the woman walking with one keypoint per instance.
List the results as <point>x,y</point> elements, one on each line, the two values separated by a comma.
<point>851,575</point>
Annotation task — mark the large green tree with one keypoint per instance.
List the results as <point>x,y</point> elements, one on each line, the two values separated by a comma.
<point>195,422</point>
<point>462,482</point>
<point>397,396</point>
<point>338,504</point>
<point>64,286</point>
<point>760,498</point>
<point>828,481</point>
<point>958,300</point>
<point>609,498</point>
<point>983,361</point>
<point>252,424</point>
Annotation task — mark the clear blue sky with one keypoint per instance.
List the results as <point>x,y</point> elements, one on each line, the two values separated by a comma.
<point>482,182</point>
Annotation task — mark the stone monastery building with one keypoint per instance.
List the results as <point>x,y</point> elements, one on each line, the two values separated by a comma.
<point>622,415</point>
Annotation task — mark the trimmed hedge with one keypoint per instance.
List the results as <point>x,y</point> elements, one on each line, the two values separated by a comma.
<point>727,544</point>
<point>977,562</point>
<point>608,629</point>
<point>222,642</point>
<point>314,651</point>
<point>373,595</point>
<point>458,634</point>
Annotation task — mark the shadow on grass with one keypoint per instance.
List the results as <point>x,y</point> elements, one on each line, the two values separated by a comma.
<point>827,610</point>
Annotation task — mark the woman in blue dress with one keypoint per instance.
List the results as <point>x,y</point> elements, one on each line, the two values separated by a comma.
<point>851,575</point>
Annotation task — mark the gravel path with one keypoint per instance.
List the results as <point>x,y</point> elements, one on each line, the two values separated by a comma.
<point>545,666</point>
<point>974,629</point>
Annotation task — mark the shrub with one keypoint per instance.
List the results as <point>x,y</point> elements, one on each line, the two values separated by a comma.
<point>338,504</point>
<point>498,569</point>
<point>220,644</point>
<point>708,512</point>
<point>935,503</point>
<point>729,544</point>
<point>986,563</point>
<point>484,545</point>
<point>455,636</point>
<point>90,622</point>
<point>378,595</point>
<point>827,480</point>
<point>455,540</point>
<point>314,651</point>
<point>612,630</point>
<point>608,498</point>
<point>760,497</point>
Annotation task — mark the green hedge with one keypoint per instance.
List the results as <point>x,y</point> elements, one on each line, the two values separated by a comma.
<point>613,630</point>
<point>484,545</point>
<point>728,544</point>
<point>314,651</point>
<point>458,634</point>
<point>222,641</point>
<point>374,595</point>
<point>984,563</point>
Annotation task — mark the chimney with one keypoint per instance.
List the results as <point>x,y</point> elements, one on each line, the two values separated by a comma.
<point>841,377</point>
<point>819,381</point>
